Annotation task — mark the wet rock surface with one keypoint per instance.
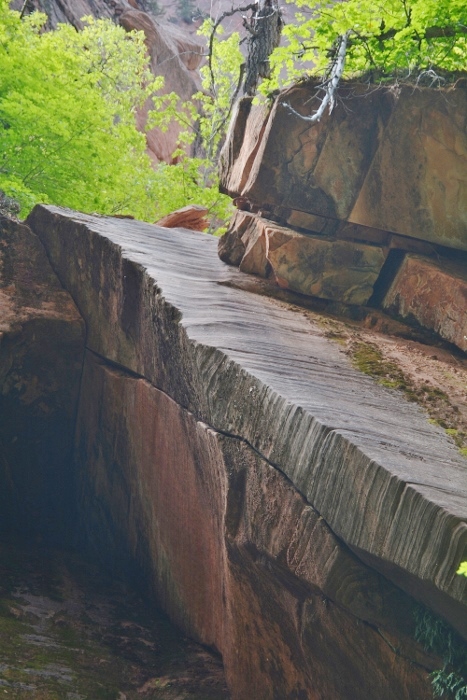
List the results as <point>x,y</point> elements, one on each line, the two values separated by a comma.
<point>197,377</point>
<point>68,631</point>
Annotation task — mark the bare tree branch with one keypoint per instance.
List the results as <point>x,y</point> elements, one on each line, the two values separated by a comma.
<point>228,13</point>
<point>330,84</point>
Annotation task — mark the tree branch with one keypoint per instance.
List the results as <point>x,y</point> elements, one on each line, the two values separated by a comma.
<point>330,85</point>
<point>228,13</point>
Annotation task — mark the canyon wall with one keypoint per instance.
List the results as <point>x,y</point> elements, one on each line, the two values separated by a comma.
<point>367,206</point>
<point>41,355</point>
<point>283,507</point>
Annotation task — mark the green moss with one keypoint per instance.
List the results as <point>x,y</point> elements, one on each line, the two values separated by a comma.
<point>450,681</point>
<point>369,359</point>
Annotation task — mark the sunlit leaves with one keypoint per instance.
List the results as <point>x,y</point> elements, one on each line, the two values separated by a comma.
<point>67,122</point>
<point>390,39</point>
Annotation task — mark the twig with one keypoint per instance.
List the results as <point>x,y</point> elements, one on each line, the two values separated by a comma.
<point>23,9</point>
<point>330,85</point>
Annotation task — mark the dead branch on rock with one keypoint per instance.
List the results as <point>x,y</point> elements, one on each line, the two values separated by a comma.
<point>329,84</point>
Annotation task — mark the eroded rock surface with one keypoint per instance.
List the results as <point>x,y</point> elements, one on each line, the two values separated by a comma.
<point>435,294</point>
<point>227,408</point>
<point>41,353</point>
<point>236,555</point>
<point>387,170</point>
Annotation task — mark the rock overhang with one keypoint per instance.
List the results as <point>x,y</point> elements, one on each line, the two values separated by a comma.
<point>387,482</point>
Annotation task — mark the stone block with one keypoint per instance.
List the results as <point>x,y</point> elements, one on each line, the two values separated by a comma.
<point>432,292</point>
<point>340,270</point>
<point>390,160</point>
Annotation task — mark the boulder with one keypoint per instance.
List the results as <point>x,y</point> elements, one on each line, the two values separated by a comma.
<point>41,353</point>
<point>433,293</point>
<point>192,217</point>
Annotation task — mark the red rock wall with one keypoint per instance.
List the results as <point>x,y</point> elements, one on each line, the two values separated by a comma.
<point>229,451</point>
<point>235,555</point>
<point>41,352</point>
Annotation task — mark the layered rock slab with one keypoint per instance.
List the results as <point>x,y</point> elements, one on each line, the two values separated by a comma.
<point>41,352</point>
<point>235,554</point>
<point>313,265</point>
<point>160,303</point>
<point>385,159</point>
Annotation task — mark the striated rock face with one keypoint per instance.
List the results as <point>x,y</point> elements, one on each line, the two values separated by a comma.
<point>250,471</point>
<point>235,554</point>
<point>345,199</point>
<point>41,352</point>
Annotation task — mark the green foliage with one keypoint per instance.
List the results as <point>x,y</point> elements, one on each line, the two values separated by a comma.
<point>219,88</point>
<point>449,682</point>
<point>462,570</point>
<point>203,121</point>
<point>67,104</point>
<point>67,123</point>
<point>394,39</point>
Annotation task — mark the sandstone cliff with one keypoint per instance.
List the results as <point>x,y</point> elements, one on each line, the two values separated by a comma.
<point>284,507</point>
